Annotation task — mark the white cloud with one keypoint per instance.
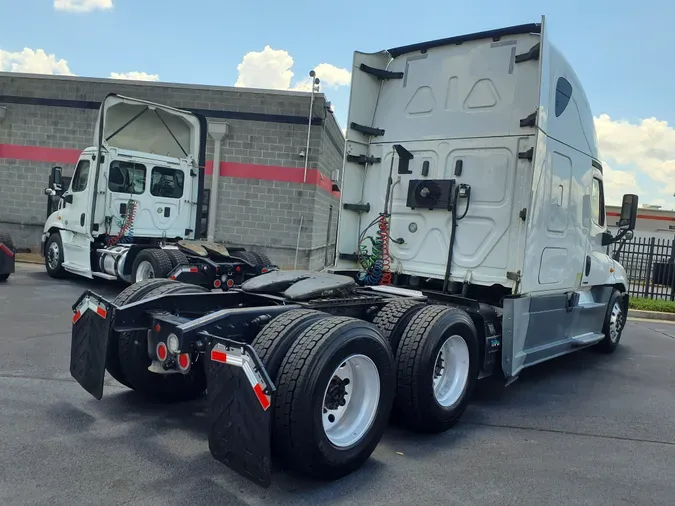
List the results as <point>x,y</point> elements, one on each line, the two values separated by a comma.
<point>82,5</point>
<point>273,69</point>
<point>646,147</point>
<point>33,62</point>
<point>135,76</point>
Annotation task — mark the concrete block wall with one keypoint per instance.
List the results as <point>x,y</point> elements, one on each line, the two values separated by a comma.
<point>264,197</point>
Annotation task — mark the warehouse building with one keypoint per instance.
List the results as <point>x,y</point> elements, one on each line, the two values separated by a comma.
<point>277,190</point>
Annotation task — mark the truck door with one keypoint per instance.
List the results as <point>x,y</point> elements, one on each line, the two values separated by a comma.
<point>75,216</point>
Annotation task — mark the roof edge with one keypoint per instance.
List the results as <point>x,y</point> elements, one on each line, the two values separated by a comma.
<point>161,84</point>
<point>460,39</point>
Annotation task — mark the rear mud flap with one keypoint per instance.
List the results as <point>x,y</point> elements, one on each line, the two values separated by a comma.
<point>89,342</point>
<point>240,396</point>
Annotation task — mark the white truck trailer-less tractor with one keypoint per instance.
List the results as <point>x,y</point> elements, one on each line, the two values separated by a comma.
<point>472,243</point>
<point>133,209</point>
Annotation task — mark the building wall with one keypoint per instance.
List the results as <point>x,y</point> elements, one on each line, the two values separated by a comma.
<point>264,192</point>
<point>656,223</point>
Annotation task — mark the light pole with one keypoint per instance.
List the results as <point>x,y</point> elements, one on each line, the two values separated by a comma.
<point>315,88</point>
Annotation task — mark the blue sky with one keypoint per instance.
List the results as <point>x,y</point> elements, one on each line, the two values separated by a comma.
<point>621,51</point>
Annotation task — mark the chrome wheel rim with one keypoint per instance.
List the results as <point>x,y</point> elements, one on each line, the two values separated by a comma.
<point>451,371</point>
<point>144,271</point>
<point>53,254</point>
<point>616,322</point>
<point>350,401</point>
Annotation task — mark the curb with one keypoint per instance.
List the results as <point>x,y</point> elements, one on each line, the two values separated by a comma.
<point>651,315</point>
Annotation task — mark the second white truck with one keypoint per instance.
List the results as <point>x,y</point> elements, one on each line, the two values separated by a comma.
<point>132,210</point>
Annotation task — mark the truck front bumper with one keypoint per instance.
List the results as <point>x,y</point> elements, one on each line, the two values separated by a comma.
<point>239,392</point>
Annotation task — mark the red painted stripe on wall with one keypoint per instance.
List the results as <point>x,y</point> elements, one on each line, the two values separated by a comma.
<point>646,217</point>
<point>229,169</point>
<point>39,154</point>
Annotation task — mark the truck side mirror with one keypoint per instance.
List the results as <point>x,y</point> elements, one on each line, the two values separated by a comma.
<point>55,178</point>
<point>68,198</point>
<point>629,209</point>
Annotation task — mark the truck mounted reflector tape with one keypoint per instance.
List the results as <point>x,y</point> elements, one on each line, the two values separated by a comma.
<point>238,358</point>
<point>219,356</point>
<point>264,399</point>
<point>88,304</point>
<point>6,250</point>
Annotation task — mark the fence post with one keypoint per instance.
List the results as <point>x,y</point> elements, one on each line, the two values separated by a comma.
<point>650,259</point>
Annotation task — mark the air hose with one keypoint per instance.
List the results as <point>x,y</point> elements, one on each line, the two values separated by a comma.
<point>126,233</point>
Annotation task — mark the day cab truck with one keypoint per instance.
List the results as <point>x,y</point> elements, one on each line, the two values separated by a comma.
<point>133,209</point>
<point>472,243</point>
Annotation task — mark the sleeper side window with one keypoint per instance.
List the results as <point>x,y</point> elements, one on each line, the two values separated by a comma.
<point>563,94</point>
<point>598,203</point>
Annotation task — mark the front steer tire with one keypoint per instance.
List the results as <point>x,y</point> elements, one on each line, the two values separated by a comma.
<point>298,431</point>
<point>615,321</point>
<point>134,360</point>
<point>54,256</point>
<point>416,405</point>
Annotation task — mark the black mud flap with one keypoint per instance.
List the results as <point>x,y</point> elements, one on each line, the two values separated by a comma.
<point>240,396</point>
<point>89,342</point>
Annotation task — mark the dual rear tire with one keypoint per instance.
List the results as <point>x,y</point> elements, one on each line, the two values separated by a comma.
<point>340,379</point>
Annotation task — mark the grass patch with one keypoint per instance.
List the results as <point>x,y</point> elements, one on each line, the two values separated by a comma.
<point>658,305</point>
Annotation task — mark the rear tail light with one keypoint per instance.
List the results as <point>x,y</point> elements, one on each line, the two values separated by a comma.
<point>162,352</point>
<point>184,361</point>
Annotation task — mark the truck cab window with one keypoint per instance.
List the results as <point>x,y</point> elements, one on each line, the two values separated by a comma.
<point>598,203</point>
<point>167,182</point>
<point>81,176</point>
<point>126,177</point>
<point>563,94</point>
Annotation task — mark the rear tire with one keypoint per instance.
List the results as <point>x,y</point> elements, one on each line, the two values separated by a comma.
<point>150,264</point>
<point>305,437</point>
<point>176,257</point>
<point>247,256</point>
<point>263,260</point>
<point>615,322</point>
<point>276,338</point>
<point>54,256</point>
<point>134,360</point>
<point>393,318</point>
<point>437,369</point>
<point>130,294</point>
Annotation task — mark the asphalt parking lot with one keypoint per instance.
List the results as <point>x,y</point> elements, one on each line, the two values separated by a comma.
<point>584,429</point>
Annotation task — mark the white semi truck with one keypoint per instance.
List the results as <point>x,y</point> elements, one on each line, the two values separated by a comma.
<point>133,209</point>
<point>472,243</point>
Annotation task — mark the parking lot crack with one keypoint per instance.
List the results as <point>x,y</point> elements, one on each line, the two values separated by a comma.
<point>572,433</point>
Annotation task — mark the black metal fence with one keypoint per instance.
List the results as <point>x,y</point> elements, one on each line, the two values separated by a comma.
<point>650,266</point>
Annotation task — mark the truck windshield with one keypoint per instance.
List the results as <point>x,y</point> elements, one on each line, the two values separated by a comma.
<point>126,177</point>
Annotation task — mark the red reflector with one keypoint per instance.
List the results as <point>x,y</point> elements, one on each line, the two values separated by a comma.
<point>194,269</point>
<point>219,356</point>
<point>230,283</point>
<point>217,283</point>
<point>162,352</point>
<point>184,361</point>
<point>238,268</point>
<point>76,316</point>
<point>264,401</point>
<point>173,278</point>
<point>264,270</point>
<point>6,250</point>
<point>101,312</point>
<point>157,328</point>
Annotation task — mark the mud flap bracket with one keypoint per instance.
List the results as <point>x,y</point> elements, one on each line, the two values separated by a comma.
<point>89,342</point>
<point>240,396</point>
